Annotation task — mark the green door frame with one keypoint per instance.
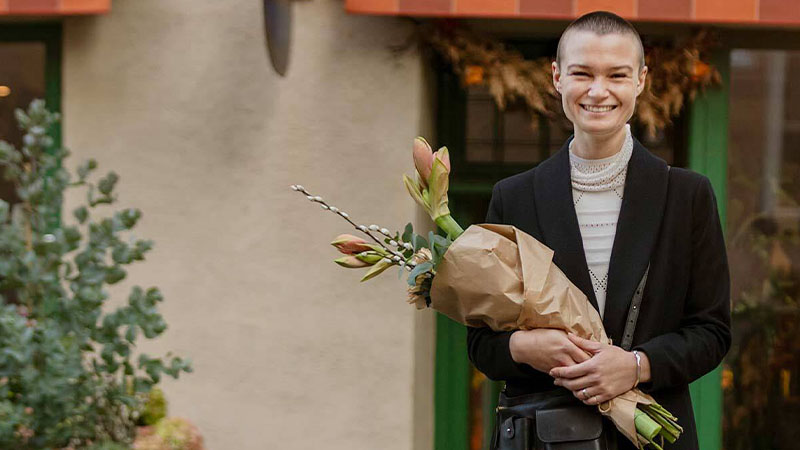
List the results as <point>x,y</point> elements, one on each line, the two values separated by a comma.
<point>708,155</point>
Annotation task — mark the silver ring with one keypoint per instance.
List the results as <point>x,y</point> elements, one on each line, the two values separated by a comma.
<point>585,395</point>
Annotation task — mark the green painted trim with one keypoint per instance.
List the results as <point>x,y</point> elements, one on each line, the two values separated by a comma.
<point>708,154</point>
<point>451,386</point>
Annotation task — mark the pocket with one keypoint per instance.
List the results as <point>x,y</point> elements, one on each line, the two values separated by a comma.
<point>514,433</point>
<point>573,428</point>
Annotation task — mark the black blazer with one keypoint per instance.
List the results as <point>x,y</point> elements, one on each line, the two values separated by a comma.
<point>669,219</point>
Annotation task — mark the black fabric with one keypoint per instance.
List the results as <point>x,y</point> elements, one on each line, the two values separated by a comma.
<point>684,323</point>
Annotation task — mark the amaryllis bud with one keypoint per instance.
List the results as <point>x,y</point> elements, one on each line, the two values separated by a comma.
<point>349,244</point>
<point>443,156</point>
<point>351,262</point>
<point>369,257</point>
<point>423,159</point>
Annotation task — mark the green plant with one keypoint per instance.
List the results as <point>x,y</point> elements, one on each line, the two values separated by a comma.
<point>154,408</point>
<point>68,373</point>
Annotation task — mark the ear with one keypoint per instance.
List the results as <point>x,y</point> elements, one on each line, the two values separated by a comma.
<point>556,76</point>
<point>642,80</point>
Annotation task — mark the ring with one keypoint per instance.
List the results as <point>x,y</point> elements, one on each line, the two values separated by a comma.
<point>585,395</point>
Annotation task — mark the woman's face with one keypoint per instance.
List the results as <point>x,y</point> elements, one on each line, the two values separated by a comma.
<point>599,80</point>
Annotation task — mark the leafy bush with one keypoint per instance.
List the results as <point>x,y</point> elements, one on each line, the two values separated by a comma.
<point>68,374</point>
<point>154,408</point>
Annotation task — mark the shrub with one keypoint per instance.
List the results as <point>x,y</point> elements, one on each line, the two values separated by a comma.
<point>68,374</point>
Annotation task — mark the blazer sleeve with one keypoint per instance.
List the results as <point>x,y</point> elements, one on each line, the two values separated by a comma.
<point>488,350</point>
<point>704,336</point>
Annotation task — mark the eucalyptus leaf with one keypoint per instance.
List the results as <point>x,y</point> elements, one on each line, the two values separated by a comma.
<point>408,232</point>
<point>418,242</point>
<point>418,270</point>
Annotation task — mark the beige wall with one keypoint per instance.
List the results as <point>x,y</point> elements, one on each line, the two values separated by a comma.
<point>179,98</point>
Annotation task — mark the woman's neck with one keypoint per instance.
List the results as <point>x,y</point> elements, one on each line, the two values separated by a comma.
<point>592,146</point>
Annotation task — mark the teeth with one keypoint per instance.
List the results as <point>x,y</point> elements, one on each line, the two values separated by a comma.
<point>597,108</point>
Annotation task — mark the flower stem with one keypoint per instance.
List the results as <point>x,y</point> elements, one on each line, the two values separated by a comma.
<point>449,225</point>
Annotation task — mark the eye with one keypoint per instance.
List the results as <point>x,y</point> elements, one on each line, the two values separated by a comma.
<point>579,74</point>
<point>619,75</point>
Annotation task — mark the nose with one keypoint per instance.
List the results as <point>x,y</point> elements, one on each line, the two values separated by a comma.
<point>598,88</point>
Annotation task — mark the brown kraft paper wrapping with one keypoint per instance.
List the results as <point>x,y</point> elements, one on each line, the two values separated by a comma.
<point>503,278</point>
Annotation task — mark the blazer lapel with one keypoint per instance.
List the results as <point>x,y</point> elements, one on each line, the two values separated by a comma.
<point>637,229</point>
<point>558,221</point>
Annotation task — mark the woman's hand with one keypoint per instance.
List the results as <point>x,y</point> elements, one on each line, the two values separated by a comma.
<point>545,348</point>
<point>611,371</point>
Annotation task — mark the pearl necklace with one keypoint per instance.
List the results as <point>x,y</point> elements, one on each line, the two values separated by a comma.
<point>594,175</point>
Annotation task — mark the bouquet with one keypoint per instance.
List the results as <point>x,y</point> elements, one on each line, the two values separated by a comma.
<point>489,275</point>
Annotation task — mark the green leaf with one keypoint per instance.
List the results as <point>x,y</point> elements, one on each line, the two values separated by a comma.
<point>376,270</point>
<point>86,168</point>
<point>418,242</point>
<point>418,270</point>
<point>81,214</point>
<point>106,184</point>
<point>408,232</point>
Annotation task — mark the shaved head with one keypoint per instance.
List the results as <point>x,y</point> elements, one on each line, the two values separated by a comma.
<point>601,23</point>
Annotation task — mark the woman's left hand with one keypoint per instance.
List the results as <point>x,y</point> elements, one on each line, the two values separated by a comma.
<point>611,371</point>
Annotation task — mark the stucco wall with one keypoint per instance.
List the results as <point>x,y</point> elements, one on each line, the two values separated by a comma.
<point>178,97</point>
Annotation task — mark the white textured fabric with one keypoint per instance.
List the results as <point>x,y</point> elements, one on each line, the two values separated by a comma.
<point>602,174</point>
<point>597,196</point>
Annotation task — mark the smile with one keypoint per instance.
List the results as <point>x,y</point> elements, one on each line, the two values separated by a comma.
<point>598,108</point>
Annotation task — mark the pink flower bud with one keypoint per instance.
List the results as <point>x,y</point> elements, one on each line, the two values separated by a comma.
<point>349,244</point>
<point>444,157</point>
<point>423,159</point>
<point>351,262</point>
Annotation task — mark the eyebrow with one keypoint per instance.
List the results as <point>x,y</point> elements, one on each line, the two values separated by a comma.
<point>583,66</point>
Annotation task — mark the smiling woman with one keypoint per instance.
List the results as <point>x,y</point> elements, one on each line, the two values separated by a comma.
<point>599,78</point>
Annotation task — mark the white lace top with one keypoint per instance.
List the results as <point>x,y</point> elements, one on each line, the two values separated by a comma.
<point>597,189</point>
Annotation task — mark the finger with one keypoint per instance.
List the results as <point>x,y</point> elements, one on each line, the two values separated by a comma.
<point>575,384</point>
<point>583,395</point>
<point>585,344</point>
<point>578,370</point>
<point>577,354</point>
<point>597,399</point>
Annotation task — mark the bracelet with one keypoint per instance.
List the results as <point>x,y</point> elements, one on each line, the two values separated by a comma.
<point>638,367</point>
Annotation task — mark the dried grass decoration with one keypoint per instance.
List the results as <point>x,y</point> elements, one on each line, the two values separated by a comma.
<point>675,73</point>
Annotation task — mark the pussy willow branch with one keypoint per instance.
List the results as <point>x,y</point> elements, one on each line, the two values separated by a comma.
<point>317,199</point>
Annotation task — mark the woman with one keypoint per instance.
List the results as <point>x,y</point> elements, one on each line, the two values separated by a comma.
<point>614,214</point>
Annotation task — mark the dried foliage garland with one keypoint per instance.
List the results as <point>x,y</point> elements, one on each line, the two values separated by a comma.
<point>675,74</point>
